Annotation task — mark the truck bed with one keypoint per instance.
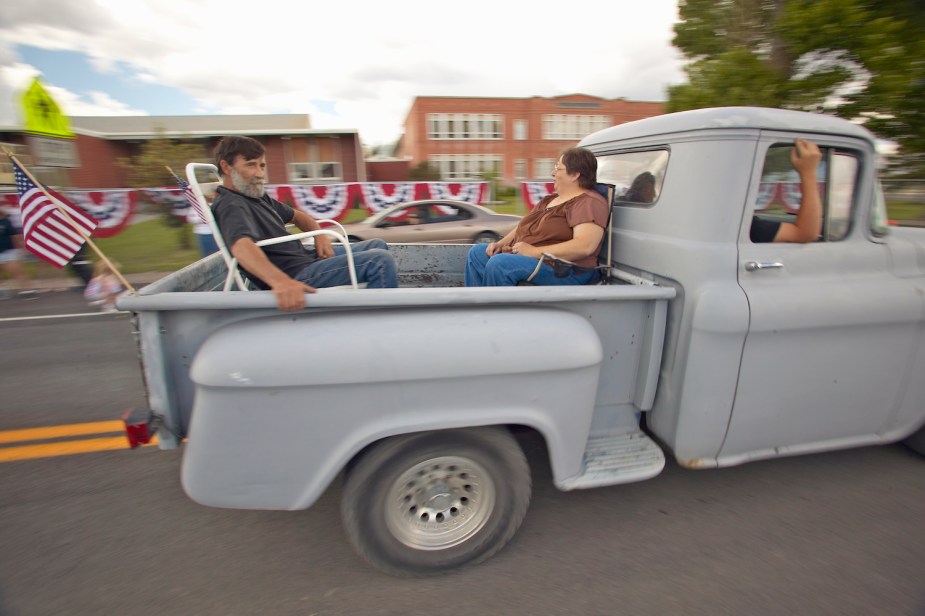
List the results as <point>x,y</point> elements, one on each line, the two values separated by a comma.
<point>430,323</point>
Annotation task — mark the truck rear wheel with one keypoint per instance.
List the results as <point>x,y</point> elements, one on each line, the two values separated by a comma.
<point>431,502</point>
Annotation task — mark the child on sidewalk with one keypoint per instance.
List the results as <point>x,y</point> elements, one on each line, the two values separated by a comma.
<point>103,288</point>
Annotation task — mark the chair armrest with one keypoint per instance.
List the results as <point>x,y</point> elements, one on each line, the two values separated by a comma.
<point>300,236</point>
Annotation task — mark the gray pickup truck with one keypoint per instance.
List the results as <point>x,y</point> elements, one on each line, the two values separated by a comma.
<point>702,344</point>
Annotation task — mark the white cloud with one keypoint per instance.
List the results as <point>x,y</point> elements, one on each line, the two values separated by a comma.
<point>367,62</point>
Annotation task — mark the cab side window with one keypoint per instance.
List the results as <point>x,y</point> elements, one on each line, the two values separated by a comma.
<point>780,192</point>
<point>637,177</point>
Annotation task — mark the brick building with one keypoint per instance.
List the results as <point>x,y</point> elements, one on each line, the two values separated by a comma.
<point>296,153</point>
<point>515,138</point>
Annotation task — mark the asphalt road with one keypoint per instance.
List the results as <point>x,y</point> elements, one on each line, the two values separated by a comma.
<point>112,532</point>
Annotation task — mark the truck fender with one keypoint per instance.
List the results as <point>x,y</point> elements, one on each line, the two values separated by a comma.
<point>283,402</point>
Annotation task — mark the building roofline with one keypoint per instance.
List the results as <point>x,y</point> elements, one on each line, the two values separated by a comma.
<point>179,134</point>
<point>524,98</point>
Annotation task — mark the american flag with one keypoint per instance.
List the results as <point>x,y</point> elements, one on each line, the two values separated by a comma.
<point>190,196</point>
<point>47,232</point>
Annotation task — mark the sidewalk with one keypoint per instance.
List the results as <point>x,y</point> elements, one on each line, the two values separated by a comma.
<point>65,283</point>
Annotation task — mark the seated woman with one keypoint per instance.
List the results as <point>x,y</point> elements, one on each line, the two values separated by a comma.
<point>568,224</point>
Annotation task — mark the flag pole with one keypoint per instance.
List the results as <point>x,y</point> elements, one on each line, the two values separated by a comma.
<point>74,224</point>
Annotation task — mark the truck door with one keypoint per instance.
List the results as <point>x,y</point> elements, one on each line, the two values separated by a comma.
<point>831,331</point>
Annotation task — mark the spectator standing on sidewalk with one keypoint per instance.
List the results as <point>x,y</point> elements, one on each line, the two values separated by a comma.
<point>11,248</point>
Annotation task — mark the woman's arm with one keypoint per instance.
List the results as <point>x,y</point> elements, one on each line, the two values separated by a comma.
<point>499,246</point>
<point>586,239</point>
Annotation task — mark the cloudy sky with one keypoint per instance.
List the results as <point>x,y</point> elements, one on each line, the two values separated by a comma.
<point>349,64</point>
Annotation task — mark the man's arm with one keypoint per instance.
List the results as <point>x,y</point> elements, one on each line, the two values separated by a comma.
<point>805,158</point>
<point>290,293</point>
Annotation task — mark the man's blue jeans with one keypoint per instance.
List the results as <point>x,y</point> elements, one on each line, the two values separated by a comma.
<point>507,269</point>
<point>374,265</point>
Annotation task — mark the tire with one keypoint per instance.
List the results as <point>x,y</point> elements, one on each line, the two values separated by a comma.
<point>353,239</point>
<point>432,502</point>
<point>916,442</point>
<point>486,237</point>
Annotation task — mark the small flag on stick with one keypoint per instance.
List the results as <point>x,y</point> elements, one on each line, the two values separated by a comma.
<point>190,196</point>
<point>54,229</point>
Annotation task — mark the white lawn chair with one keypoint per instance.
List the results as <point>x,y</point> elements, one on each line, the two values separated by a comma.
<point>234,276</point>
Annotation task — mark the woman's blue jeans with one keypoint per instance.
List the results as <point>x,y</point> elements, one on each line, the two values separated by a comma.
<point>507,269</point>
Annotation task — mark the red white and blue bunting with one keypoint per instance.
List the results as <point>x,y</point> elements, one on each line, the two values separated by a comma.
<point>378,197</point>
<point>115,208</point>
<point>533,192</point>
<point>318,201</point>
<point>787,195</point>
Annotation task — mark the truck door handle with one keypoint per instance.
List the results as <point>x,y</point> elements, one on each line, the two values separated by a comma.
<point>753,266</point>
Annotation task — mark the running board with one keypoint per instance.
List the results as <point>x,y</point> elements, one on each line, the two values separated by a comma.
<point>615,458</point>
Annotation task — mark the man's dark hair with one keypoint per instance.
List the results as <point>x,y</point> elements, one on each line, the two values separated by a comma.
<point>580,160</point>
<point>229,148</point>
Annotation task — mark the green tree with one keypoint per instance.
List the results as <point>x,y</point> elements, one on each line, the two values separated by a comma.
<point>148,169</point>
<point>423,172</point>
<point>853,58</point>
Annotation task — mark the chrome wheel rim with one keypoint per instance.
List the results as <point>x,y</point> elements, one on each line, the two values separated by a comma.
<point>440,503</point>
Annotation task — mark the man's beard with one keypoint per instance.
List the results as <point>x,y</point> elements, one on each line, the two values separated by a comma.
<point>253,189</point>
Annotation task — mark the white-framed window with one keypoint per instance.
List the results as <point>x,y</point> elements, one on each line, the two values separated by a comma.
<point>466,166</point>
<point>571,127</point>
<point>520,130</point>
<point>462,126</point>
<point>542,168</point>
<point>520,169</point>
<point>315,172</point>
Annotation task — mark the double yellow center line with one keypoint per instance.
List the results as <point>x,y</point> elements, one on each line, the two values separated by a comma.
<point>52,441</point>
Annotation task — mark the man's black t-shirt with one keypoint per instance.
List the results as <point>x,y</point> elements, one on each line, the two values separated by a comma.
<point>763,230</point>
<point>240,216</point>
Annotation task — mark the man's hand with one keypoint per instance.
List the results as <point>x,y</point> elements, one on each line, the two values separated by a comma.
<point>290,294</point>
<point>805,156</point>
<point>323,247</point>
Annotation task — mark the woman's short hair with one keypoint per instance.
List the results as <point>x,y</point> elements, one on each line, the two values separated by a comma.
<point>229,148</point>
<point>583,162</point>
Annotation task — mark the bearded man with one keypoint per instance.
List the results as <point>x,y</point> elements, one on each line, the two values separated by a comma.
<point>245,215</point>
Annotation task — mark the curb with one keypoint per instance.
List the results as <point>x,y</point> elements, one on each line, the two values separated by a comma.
<point>73,283</point>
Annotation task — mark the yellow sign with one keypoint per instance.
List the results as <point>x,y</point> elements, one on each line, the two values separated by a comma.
<point>42,114</point>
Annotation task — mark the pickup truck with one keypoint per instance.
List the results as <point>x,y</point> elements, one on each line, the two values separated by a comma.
<point>701,344</point>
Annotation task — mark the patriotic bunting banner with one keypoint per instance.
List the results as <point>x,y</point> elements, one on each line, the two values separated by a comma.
<point>471,192</point>
<point>378,197</point>
<point>319,201</point>
<point>115,209</point>
<point>532,192</point>
<point>53,229</point>
<point>172,198</point>
<point>787,195</point>
<point>112,208</point>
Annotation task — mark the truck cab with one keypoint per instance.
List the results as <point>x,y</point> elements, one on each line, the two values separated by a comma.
<point>771,348</point>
